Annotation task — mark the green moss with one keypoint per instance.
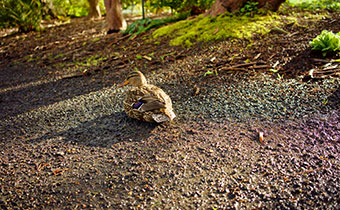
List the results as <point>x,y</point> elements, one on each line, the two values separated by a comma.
<point>213,28</point>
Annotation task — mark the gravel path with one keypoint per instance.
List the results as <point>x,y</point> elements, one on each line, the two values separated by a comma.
<point>84,152</point>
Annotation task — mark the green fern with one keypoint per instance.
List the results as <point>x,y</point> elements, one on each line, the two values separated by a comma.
<point>24,14</point>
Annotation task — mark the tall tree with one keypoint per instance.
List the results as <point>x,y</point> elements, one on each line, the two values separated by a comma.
<point>222,6</point>
<point>114,16</point>
<point>94,10</point>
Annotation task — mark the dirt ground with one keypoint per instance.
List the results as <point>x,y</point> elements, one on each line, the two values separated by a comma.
<point>200,161</point>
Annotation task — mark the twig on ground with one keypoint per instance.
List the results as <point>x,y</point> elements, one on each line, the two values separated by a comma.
<point>59,171</point>
<point>320,60</point>
<point>251,65</point>
<point>41,166</point>
<point>233,69</point>
<point>260,67</point>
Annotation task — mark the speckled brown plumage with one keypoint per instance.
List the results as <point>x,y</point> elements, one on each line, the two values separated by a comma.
<point>139,91</point>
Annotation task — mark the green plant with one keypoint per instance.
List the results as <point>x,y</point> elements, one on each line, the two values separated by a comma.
<point>93,60</point>
<point>249,9</point>
<point>96,39</point>
<point>143,25</point>
<point>326,42</point>
<point>203,29</point>
<point>157,5</point>
<point>165,55</point>
<point>315,4</point>
<point>77,8</point>
<point>178,5</point>
<point>208,72</point>
<point>24,14</point>
<point>325,101</point>
<point>137,26</point>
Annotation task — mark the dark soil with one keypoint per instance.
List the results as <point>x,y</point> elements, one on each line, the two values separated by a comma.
<point>66,142</point>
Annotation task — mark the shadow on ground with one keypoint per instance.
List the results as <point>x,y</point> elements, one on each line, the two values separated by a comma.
<point>334,99</point>
<point>22,99</point>
<point>104,131</point>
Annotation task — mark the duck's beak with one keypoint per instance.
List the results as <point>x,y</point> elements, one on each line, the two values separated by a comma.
<point>123,84</point>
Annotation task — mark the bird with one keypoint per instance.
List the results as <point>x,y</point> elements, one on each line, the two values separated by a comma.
<point>146,102</point>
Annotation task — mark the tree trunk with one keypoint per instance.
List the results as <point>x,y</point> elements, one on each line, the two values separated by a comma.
<point>222,6</point>
<point>94,11</point>
<point>114,16</point>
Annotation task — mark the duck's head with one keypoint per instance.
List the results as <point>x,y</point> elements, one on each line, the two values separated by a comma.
<point>134,78</point>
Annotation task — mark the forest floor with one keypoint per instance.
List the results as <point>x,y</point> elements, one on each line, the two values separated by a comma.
<point>66,142</point>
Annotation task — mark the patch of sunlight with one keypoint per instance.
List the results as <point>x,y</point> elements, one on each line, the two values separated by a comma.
<point>202,28</point>
<point>25,85</point>
<point>315,4</point>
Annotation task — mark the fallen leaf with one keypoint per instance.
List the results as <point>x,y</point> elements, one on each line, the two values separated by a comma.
<point>261,137</point>
<point>147,58</point>
<point>196,90</point>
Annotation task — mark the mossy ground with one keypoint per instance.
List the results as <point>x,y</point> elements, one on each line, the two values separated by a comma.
<point>225,26</point>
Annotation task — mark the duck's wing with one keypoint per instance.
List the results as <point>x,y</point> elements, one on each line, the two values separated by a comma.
<point>148,103</point>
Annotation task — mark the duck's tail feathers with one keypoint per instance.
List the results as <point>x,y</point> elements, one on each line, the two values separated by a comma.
<point>159,118</point>
<point>172,115</point>
<point>169,116</point>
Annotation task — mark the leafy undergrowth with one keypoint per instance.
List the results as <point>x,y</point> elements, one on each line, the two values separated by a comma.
<point>315,4</point>
<point>143,25</point>
<point>326,41</point>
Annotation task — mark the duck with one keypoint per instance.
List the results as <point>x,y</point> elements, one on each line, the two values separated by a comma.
<point>146,102</point>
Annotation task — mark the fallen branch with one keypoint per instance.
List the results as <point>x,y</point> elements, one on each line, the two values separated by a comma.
<point>70,76</point>
<point>331,68</point>
<point>244,64</point>
<point>123,37</point>
<point>293,34</point>
<point>118,39</point>
<point>327,71</point>
<point>251,65</point>
<point>260,67</point>
<point>323,60</point>
<point>233,69</point>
